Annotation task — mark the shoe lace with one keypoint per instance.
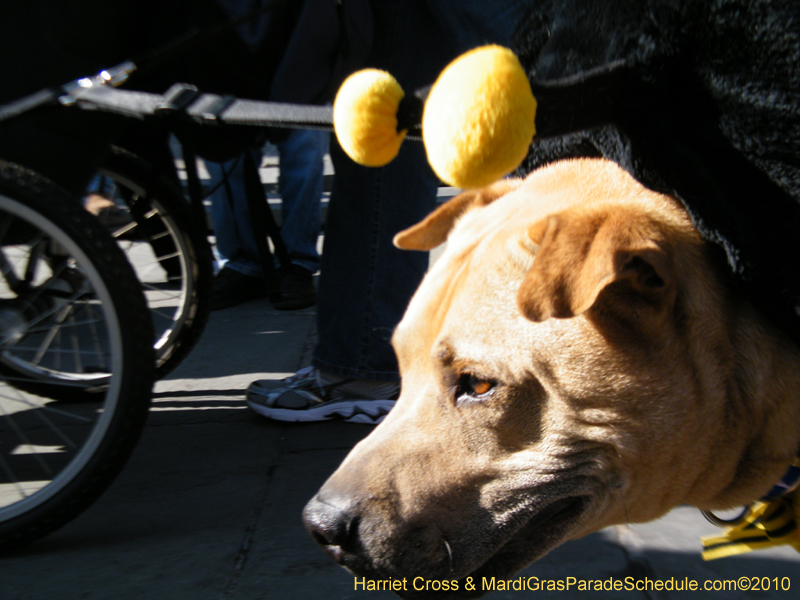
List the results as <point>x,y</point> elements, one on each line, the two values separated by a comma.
<point>308,373</point>
<point>304,373</point>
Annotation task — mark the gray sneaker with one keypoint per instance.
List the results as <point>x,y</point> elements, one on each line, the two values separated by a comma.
<point>311,396</point>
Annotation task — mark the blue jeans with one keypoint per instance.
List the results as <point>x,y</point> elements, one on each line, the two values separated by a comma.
<point>365,282</point>
<point>300,183</point>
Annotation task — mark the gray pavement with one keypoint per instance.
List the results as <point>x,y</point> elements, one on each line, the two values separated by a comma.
<point>209,505</point>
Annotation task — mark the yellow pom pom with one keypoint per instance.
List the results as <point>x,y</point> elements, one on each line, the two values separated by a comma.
<point>479,118</point>
<point>365,117</point>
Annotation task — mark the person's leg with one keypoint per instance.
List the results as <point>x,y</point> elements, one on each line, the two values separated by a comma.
<point>241,277</point>
<point>365,285</point>
<point>300,182</point>
<point>366,282</point>
<point>230,216</point>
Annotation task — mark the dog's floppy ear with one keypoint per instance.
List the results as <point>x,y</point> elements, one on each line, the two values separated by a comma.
<point>577,255</point>
<point>434,229</point>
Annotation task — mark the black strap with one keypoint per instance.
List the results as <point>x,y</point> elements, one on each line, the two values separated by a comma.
<point>201,108</point>
<point>205,108</point>
<point>23,105</point>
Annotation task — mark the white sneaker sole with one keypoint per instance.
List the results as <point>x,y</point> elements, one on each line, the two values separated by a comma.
<point>370,412</point>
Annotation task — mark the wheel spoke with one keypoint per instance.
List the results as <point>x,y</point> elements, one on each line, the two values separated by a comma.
<point>51,335</point>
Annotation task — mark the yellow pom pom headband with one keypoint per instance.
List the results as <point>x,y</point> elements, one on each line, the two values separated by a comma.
<point>477,123</point>
<point>365,117</point>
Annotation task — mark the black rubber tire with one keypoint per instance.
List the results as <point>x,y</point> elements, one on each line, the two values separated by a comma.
<point>151,190</point>
<point>96,461</point>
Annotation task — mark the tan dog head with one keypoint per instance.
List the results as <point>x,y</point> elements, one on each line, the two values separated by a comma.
<point>572,361</point>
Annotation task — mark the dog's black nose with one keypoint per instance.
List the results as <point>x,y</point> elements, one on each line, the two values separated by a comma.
<point>332,523</point>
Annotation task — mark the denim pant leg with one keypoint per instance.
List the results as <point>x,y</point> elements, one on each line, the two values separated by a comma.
<point>236,241</point>
<point>300,182</point>
<point>365,282</point>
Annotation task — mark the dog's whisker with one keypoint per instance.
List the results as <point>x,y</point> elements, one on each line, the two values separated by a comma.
<point>449,554</point>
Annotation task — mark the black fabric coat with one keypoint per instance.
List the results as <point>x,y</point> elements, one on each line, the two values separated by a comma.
<point>696,98</point>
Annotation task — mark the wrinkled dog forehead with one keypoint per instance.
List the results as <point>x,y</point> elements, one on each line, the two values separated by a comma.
<point>483,232</point>
<point>466,308</point>
<point>476,278</point>
<point>484,262</point>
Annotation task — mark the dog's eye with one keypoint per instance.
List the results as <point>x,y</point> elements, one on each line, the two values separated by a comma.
<point>472,387</point>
